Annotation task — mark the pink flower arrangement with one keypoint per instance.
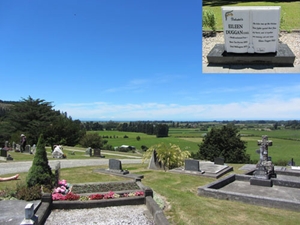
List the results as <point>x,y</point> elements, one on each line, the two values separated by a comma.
<point>96,197</point>
<point>139,193</point>
<point>63,192</point>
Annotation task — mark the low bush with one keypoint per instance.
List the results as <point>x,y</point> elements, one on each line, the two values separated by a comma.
<point>28,193</point>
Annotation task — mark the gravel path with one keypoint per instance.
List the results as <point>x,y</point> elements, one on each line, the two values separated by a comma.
<point>121,215</point>
<point>291,39</point>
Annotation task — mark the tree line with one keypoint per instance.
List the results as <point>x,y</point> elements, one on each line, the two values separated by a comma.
<point>33,117</point>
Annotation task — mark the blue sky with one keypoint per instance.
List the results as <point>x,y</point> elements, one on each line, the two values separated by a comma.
<point>128,60</point>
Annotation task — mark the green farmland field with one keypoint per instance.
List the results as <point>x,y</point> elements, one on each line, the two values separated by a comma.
<point>286,143</point>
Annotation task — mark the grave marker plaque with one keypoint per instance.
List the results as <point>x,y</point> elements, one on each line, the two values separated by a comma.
<point>3,153</point>
<point>97,152</point>
<point>251,29</point>
<point>115,164</point>
<point>219,161</point>
<point>192,165</point>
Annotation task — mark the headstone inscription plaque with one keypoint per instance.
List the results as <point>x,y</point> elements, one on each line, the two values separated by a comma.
<point>251,29</point>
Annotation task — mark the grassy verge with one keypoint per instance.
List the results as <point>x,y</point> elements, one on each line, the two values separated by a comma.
<point>290,12</point>
<point>184,206</point>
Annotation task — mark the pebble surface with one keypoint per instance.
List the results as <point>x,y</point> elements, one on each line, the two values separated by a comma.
<point>121,215</point>
<point>291,39</point>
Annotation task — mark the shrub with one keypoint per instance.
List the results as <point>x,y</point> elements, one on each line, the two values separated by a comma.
<point>209,20</point>
<point>28,193</point>
<point>125,136</point>
<point>92,140</point>
<point>40,172</point>
<point>170,155</point>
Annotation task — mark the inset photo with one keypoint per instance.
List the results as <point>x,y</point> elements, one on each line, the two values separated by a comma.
<point>252,37</point>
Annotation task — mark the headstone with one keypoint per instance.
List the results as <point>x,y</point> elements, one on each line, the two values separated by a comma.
<point>6,144</point>
<point>30,218</point>
<point>33,149</point>
<point>97,152</point>
<point>154,163</point>
<point>219,161</point>
<point>18,148</point>
<point>27,149</point>
<point>192,165</point>
<point>88,151</point>
<point>3,153</point>
<point>251,36</point>
<point>58,153</point>
<point>264,170</point>
<point>115,164</point>
<point>251,29</point>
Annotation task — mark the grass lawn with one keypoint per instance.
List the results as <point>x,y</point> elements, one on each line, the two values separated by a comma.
<point>180,192</point>
<point>290,11</point>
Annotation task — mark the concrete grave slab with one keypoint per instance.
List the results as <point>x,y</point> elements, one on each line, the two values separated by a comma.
<point>208,169</point>
<point>283,194</point>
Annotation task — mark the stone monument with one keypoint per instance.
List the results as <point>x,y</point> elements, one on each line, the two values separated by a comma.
<point>251,36</point>
<point>264,168</point>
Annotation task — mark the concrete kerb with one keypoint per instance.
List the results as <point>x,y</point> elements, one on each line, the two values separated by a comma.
<point>47,204</point>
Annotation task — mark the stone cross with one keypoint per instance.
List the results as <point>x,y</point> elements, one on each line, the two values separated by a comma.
<point>264,144</point>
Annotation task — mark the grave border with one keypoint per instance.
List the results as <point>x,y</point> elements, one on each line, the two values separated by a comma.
<point>43,210</point>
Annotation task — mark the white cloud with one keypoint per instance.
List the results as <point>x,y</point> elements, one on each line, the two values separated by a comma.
<point>264,109</point>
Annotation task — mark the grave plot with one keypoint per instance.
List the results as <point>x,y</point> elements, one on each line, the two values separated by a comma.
<point>265,185</point>
<point>204,168</point>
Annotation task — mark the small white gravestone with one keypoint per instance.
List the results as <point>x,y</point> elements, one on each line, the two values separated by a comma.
<point>251,29</point>
<point>57,152</point>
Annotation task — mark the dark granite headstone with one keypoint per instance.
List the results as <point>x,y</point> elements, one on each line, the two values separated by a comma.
<point>115,164</point>
<point>219,161</point>
<point>192,165</point>
<point>3,153</point>
<point>97,152</point>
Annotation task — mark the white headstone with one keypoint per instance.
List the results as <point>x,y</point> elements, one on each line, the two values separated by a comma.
<point>251,29</point>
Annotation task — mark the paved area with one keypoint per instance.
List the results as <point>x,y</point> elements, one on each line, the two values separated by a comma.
<point>13,211</point>
<point>249,69</point>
